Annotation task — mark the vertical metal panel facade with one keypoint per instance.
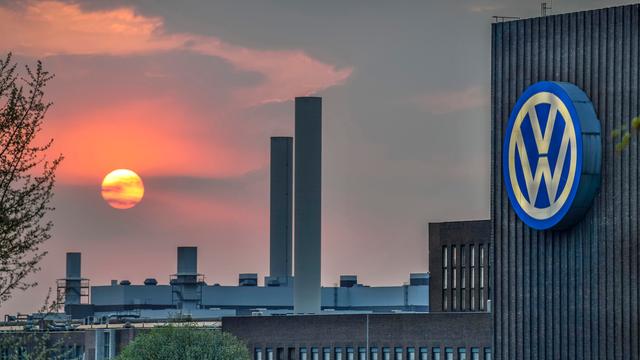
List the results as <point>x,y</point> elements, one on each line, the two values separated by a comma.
<point>570,294</point>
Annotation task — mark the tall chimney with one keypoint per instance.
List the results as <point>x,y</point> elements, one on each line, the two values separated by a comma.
<point>308,173</point>
<point>186,286</point>
<point>73,279</point>
<point>281,207</point>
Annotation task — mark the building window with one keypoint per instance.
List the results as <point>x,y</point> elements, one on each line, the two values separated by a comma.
<point>487,353</point>
<point>436,353</point>
<point>463,277</point>
<point>472,255</point>
<point>257,354</point>
<point>326,353</point>
<point>269,353</point>
<point>475,354</point>
<point>448,353</point>
<point>350,355</point>
<point>462,354</point>
<point>362,353</point>
<point>315,355</point>
<point>107,345</point>
<point>424,353</point>
<point>454,277</point>
<point>386,353</point>
<point>445,277</point>
<point>303,354</point>
<point>374,353</point>
<point>398,353</point>
<point>338,353</point>
<point>411,353</point>
<point>482,276</point>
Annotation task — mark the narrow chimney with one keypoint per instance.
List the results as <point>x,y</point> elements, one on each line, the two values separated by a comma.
<point>187,260</point>
<point>281,207</point>
<point>73,279</point>
<point>308,173</point>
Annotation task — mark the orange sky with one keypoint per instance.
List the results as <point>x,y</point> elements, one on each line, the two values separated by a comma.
<point>188,98</point>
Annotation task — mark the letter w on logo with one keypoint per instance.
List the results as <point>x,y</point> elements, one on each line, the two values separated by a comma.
<point>543,169</point>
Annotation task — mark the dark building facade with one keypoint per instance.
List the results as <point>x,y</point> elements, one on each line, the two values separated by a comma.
<point>573,293</point>
<point>465,336</point>
<point>459,265</point>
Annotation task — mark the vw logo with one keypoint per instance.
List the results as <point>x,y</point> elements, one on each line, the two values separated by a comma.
<point>552,155</point>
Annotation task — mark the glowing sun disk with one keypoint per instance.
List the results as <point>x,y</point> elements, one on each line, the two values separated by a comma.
<point>122,189</point>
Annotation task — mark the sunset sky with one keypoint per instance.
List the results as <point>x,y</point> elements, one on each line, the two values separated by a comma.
<point>187,94</point>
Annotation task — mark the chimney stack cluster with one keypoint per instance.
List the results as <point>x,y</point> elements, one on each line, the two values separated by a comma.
<point>307,210</point>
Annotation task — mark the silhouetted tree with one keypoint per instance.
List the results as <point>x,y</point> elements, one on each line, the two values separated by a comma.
<point>27,176</point>
<point>36,340</point>
<point>187,342</point>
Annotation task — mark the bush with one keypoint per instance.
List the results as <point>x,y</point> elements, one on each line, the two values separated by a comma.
<point>185,342</point>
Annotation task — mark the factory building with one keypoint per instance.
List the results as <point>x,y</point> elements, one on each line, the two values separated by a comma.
<point>459,265</point>
<point>554,275</point>
<point>566,266</point>
<point>187,293</point>
<point>443,336</point>
<point>363,322</point>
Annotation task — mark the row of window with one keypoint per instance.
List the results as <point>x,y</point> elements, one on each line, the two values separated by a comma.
<point>360,353</point>
<point>468,268</point>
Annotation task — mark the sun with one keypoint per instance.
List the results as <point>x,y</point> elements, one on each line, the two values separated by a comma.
<point>122,189</point>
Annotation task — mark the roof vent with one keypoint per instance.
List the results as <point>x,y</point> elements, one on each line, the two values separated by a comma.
<point>150,282</point>
<point>248,280</point>
<point>125,282</point>
<point>348,280</point>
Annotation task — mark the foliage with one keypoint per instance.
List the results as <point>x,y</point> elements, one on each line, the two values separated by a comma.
<point>624,135</point>
<point>27,176</point>
<point>36,344</point>
<point>187,342</point>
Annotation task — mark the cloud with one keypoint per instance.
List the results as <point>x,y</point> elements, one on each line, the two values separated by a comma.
<point>56,28</point>
<point>449,101</point>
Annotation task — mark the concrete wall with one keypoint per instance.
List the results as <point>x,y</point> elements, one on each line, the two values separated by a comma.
<point>570,294</point>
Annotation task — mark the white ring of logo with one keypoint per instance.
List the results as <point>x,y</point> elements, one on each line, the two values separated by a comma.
<point>543,169</point>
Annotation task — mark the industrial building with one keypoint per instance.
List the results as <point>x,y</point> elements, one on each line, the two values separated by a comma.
<point>435,336</point>
<point>572,291</point>
<point>553,275</point>
<point>376,329</point>
<point>459,266</point>
<point>349,321</point>
<point>187,293</point>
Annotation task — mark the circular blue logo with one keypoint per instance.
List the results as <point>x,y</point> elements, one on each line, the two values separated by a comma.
<point>551,156</point>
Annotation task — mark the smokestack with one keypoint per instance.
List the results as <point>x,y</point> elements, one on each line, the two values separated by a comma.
<point>187,260</point>
<point>308,173</point>
<point>281,207</point>
<point>185,285</point>
<point>73,279</point>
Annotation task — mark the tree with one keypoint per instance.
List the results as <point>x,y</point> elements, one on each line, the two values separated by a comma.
<point>27,175</point>
<point>37,344</point>
<point>187,342</point>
